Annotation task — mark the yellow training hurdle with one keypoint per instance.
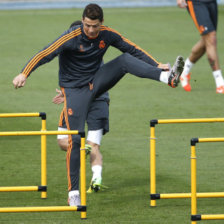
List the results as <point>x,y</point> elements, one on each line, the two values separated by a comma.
<point>194,216</point>
<point>43,133</point>
<point>43,187</point>
<point>82,207</point>
<point>154,196</point>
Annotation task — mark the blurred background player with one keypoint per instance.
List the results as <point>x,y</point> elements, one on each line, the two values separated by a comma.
<point>205,16</point>
<point>98,125</point>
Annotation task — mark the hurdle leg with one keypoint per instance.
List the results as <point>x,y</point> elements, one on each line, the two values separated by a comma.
<point>44,160</point>
<point>83,176</point>
<point>152,165</point>
<point>193,184</point>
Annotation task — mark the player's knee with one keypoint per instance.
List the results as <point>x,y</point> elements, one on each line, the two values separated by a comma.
<point>210,39</point>
<point>125,57</point>
<point>63,144</point>
<point>94,146</point>
<point>95,153</point>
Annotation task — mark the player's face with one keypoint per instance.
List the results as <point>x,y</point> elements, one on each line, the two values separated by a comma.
<point>91,27</point>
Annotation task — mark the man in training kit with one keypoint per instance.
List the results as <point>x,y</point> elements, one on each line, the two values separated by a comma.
<point>82,78</point>
<point>98,125</point>
<point>205,16</point>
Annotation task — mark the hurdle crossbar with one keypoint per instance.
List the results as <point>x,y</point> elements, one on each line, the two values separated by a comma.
<point>43,155</point>
<point>43,209</point>
<point>194,216</point>
<point>82,207</point>
<point>33,133</point>
<point>153,195</point>
<point>23,188</point>
<point>187,195</point>
<point>207,217</point>
<point>38,114</point>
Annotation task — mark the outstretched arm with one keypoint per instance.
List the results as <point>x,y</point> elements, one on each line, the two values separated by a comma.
<point>19,81</point>
<point>45,55</point>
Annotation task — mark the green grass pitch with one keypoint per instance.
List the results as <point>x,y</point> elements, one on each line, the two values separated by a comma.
<point>164,33</point>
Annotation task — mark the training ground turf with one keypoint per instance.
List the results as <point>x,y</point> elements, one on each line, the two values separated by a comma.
<point>164,33</point>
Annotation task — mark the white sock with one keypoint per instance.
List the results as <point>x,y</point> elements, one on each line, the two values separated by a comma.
<point>218,78</point>
<point>164,77</point>
<point>97,171</point>
<point>187,67</point>
<point>71,193</point>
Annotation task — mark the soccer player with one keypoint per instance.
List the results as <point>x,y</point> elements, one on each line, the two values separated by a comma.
<point>98,125</point>
<point>82,78</point>
<point>205,16</point>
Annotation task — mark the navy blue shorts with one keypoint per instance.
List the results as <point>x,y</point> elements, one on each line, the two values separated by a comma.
<point>97,118</point>
<point>204,15</point>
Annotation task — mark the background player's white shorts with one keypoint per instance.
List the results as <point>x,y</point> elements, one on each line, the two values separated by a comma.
<point>62,136</point>
<point>93,136</point>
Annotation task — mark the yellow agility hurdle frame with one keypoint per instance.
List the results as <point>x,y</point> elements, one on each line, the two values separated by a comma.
<point>82,207</point>
<point>153,195</point>
<point>43,187</point>
<point>194,216</point>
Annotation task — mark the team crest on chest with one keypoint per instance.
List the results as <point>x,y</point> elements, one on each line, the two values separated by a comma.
<point>102,44</point>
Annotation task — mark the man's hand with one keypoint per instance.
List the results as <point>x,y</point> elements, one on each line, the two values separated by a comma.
<point>59,98</point>
<point>164,67</point>
<point>182,3</point>
<point>19,81</point>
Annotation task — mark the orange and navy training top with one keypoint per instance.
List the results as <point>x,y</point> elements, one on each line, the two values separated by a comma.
<point>80,57</point>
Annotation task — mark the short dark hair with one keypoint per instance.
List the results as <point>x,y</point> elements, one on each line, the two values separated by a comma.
<point>76,23</point>
<point>93,11</point>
